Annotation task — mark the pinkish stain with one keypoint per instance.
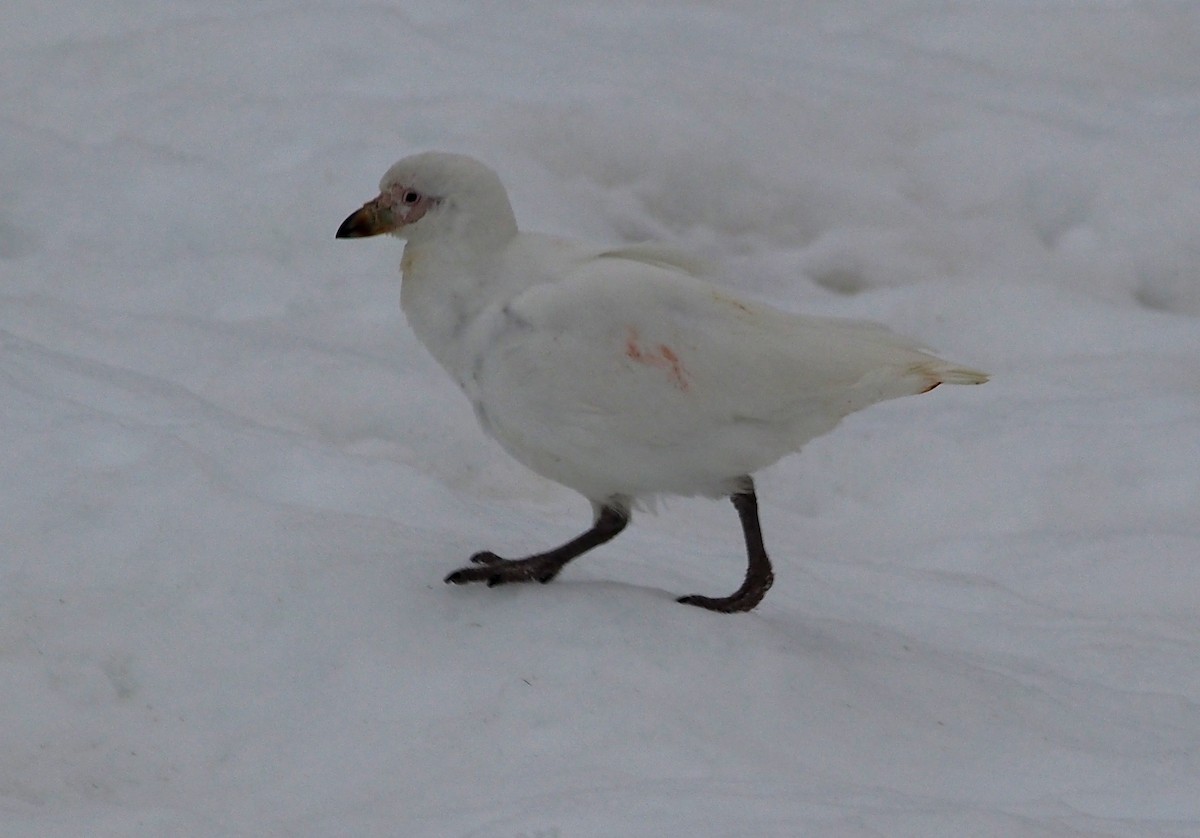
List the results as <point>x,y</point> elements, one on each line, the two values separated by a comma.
<point>663,357</point>
<point>632,350</point>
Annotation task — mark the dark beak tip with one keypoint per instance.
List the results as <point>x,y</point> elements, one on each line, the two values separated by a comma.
<point>352,228</point>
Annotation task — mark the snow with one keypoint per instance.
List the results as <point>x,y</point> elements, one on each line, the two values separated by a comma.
<point>234,480</point>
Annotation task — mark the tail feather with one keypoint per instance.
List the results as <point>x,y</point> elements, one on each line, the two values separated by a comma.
<point>930,374</point>
<point>959,375</point>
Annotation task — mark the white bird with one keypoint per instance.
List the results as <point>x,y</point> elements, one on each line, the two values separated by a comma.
<point>621,373</point>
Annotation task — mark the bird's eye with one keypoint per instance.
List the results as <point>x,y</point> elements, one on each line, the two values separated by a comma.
<point>410,197</point>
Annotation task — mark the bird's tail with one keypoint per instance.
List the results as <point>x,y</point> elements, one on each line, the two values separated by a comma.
<point>940,372</point>
<point>961,375</point>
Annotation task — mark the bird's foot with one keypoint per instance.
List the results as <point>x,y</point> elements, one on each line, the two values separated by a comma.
<point>743,599</point>
<point>490,568</point>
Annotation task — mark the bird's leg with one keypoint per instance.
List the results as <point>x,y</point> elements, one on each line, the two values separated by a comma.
<point>758,573</point>
<point>542,567</point>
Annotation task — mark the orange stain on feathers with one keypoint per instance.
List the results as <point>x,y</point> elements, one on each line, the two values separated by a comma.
<point>662,357</point>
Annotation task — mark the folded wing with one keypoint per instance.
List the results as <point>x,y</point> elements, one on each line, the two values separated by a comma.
<point>635,360</point>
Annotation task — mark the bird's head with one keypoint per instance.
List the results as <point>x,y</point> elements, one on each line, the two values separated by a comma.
<point>432,195</point>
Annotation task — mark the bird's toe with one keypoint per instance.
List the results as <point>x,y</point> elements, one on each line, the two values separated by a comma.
<point>724,605</point>
<point>457,577</point>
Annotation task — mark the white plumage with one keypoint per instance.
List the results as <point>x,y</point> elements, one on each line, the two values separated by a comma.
<point>621,373</point>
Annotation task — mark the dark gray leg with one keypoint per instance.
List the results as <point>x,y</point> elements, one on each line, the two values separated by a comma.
<point>758,573</point>
<point>542,567</point>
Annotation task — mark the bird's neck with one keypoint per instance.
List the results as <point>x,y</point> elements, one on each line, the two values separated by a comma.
<point>442,292</point>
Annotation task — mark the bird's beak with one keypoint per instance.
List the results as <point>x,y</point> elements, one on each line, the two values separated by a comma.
<point>371,219</point>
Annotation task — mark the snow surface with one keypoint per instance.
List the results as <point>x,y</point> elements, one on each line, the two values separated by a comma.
<point>233,481</point>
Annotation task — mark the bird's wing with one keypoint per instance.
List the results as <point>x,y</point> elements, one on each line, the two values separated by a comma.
<point>634,350</point>
<point>661,256</point>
